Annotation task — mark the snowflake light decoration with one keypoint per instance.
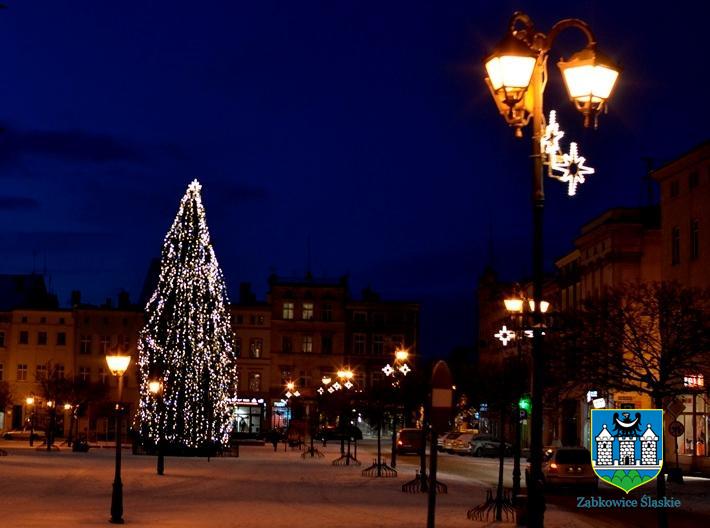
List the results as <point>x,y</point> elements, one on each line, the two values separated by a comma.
<point>404,369</point>
<point>331,390</point>
<point>388,370</point>
<point>550,140</point>
<point>572,168</point>
<point>348,385</point>
<point>337,386</point>
<point>505,335</point>
<point>528,333</point>
<point>320,391</point>
<point>289,394</point>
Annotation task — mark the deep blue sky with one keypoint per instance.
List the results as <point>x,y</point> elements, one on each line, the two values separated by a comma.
<point>365,126</point>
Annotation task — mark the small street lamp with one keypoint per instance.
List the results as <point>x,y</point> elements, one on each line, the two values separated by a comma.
<point>155,387</point>
<point>291,392</point>
<point>517,76</point>
<point>117,364</point>
<point>52,407</point>
<point>399,368</point>
<point>30,401</point>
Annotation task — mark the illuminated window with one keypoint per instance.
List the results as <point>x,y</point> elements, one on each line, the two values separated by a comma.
<point>254,381</point>
<point>85,374</point>
<point>103,376</point>
<point>85,344</point>
<point>308,311</point>
<point>287,310</point>
<point>307,344</point>
<point>21,372</point>
<point>105,343</point>
<point>256,346</point>
<point>41,372</point>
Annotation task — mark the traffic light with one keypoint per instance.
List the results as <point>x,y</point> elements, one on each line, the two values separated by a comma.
<point>525,404</point>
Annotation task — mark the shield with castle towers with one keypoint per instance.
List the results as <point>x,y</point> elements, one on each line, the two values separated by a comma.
<point>627,446</point>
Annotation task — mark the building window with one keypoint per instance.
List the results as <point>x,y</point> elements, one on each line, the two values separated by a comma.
<point>240,319</point>
<point>21,372</point>
<point>125,342</point>
<point>286,344</point>
<point>675,246</point>
<point>61,338</point>
<point>326,344</point>
<point>238,346</point>
<point>254,381</point>
<point>2,372</point>
<point>104,344</point>
<point>287,311</point>
<point>24,337</point>
<point>252,319</point>
<point>307,344</point>
<point>308,311</point>
<point>24,319</point>
<point>693,179</point>
<point>41,372</point>
<point>41,338</point>
<point>675,188</point>
<point>256,346</point>
<point>43,320</point>
<point>260,320</point>
<point>103,376</point>
<point>59,373</point>
<point>359,343</point>
<point>360,317</point>
<point>85,344</point>
<point>61,320</point>
<point>378,344</point>
<point>694,238</point>
<point>285,375</point>
<point>378,318</point>
<point>2,339</point>
<point>327,312</point>
<point>85,374</point>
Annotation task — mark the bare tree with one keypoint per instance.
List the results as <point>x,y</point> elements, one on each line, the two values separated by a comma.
<point>643,338</point>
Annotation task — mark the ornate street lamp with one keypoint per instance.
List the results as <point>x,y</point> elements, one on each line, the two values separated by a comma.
<point>590,78</point>
<point>117,364</point>
<point>30,401</point>
<point>155,387</point>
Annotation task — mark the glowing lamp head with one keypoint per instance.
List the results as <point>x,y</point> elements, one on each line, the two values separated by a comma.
<point>401,354</point>
<point>345,374</point>
<point>291,386</point>
<point>544,306</point>
<point>510,67</point>
<point>590,77</point>
<point>513,305</point>
<point>118,363</point>
<point>155,387</point>
<point>326,380</point>
<point>50,404</point>
<point>30,400</point>
<point>67,406</point>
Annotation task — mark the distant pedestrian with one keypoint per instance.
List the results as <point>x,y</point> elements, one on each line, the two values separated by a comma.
<point>274,438</point>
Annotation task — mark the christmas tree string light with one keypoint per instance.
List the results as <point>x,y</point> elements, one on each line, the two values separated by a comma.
<point>187,342</point>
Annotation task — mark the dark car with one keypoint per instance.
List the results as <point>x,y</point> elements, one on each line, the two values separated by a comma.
<point>332,432</point>
<point>487,445</point>
<point>409,441</point>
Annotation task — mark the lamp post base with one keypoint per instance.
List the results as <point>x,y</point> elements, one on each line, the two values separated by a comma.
<point>117,503</point>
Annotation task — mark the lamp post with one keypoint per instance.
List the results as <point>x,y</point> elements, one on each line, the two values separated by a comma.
<point>118,364</point>
<point>291,392</point>
<point>517,75</point>
<point>155,387</point>
<point>30,401</point>
<point>52,409</point>
<point>399,368</point>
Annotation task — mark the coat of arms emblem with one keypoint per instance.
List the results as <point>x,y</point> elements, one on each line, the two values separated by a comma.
<point>627,446</point>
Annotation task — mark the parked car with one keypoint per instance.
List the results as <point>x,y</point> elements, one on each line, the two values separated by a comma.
<point>568,466</point>
<point>409,441</point>
<point>461,444</point>
<point>332,432</point>
<point>487,445</point>
<point>23,434</point>
<point>440,440</point>
<point>447,443</point>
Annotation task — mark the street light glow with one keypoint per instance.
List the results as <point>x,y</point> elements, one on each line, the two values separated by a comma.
<point>30,400</point>
<point>118,363</point>
<point>401,354</point>
<point>513,305</point>
<point>155,387</point>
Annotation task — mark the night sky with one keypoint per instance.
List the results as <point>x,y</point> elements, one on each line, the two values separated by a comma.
<point>363,126</point>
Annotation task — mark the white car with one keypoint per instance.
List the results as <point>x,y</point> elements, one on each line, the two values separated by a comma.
<point>23,434</point>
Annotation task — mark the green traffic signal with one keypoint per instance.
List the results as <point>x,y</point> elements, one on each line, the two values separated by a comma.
<point>525,403</point>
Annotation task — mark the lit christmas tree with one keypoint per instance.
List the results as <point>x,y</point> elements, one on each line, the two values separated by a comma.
<point>187,343</point>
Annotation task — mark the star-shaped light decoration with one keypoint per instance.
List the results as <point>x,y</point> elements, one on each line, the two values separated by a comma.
<point>387,369</point>
<point>289,394</point>
<point>348,385</point>
<point>529,333</point>
<point>404,369</point>
<point>572,168</point>
<point>297,394</point>
<point>337,386</point>
<point>550,140</point>
<point>320,391</point>
<point>505,335</point>
<point>331,390</point>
